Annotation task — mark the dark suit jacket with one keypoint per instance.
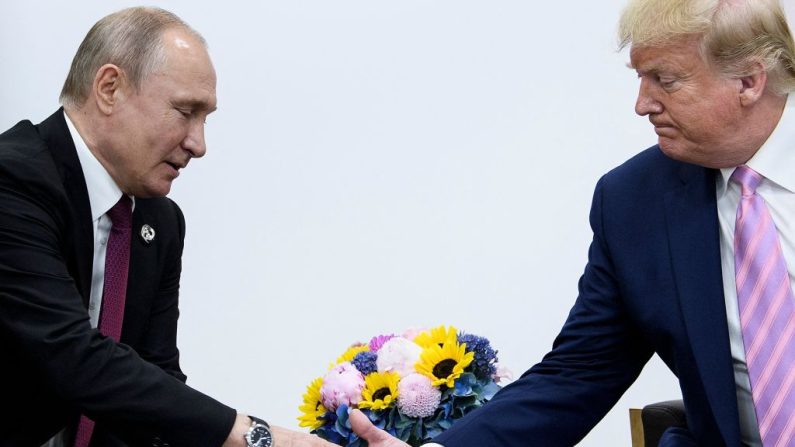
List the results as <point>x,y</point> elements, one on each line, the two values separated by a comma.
<point>54,365</point>
<point>652,284</point>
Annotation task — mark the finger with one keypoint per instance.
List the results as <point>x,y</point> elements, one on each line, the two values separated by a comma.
<point>362,426</point>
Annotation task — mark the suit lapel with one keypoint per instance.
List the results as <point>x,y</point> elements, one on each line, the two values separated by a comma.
<point>692,220</point>
<point>143,271</point>
<point>56,134</point>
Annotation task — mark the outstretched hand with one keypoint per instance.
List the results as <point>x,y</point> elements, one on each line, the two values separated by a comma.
<point>282,437</point>
<point>375,437</point>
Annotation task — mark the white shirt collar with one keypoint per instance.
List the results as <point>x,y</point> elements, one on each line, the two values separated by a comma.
<point>775,160</point>
<point>103,192</point>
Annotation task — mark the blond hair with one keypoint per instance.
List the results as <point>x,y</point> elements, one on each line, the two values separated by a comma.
<point>130,39</point>
<point>734,34</point>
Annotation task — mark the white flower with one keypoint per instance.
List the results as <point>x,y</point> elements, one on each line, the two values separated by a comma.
<point>398,355</point>
<point>502,373</point>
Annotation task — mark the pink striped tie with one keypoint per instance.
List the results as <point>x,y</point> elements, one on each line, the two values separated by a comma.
<point>767,313</point>
<point>114,289</point>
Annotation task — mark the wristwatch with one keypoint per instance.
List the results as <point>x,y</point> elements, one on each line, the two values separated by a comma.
<point>259,435</point>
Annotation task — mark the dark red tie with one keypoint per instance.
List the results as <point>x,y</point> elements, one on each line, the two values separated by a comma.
<point>117,262</point>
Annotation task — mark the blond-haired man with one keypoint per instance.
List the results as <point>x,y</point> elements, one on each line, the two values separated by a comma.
<point>676,267</point>
<point>90,251</point>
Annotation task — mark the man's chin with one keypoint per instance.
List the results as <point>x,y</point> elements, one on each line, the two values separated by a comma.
<point>686,153</point>
<point>151,191</point>
<point>666,145</point>
<point>672,150</point>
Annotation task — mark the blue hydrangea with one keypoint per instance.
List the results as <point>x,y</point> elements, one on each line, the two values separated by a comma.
<point>365,362</point>
<point>485,357</point>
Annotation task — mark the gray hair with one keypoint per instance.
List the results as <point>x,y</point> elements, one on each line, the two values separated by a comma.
<point>130,39</point>
<point>735,34</point>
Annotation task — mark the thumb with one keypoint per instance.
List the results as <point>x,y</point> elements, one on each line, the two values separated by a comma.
<point>362,426</point>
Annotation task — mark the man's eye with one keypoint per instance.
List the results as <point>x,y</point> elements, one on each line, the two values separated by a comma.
<point>667,82</point>
<point>185,113</point>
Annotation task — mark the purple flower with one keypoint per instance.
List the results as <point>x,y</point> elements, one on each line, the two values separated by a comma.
<point>377,342</point>
<point>342,386</point>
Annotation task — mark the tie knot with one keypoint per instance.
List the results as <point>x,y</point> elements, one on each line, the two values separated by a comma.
<point>747,178</point>
<point>121,213</point>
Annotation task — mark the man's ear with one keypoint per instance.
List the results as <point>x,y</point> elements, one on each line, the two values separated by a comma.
<point>108,87</point>
<point>752,86</point>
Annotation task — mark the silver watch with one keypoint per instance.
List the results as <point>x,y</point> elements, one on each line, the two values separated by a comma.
<point>259,435</point>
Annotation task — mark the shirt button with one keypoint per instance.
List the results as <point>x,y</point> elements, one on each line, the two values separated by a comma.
<point>103,241</point>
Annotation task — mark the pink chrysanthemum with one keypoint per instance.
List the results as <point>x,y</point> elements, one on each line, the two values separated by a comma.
<point>417,398</point>
<point>377,342</point>
<point>412,332</point>
<point>342,386</point>
<point>398,355</point>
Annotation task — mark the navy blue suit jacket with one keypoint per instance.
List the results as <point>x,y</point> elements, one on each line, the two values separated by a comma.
<point>652,284</point>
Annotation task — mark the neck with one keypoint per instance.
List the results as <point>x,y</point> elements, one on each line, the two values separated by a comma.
<point>762,121</point>
<point>81,120</point>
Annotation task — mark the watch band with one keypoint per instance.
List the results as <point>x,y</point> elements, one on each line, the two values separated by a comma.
<point>258,420</point>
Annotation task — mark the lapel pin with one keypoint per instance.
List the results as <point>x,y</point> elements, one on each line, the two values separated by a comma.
<point>147,233</point>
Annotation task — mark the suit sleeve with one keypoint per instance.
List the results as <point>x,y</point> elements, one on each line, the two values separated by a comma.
<point>44,321</point>
<point>594,359</point>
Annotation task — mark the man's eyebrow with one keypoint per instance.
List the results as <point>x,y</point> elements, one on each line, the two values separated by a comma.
<point>195,104</point>
<point>656,70</point>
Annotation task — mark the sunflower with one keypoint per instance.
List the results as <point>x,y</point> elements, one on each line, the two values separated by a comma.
<point>312,408</point>
<point>380,390</point>
<point>351,353</point>
<point>437,336</point>
<point>444,364</point>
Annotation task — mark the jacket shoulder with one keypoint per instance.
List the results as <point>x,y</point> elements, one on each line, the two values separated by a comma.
<point>649,172</point>
<point>25,159</point>
<point>21,142</point>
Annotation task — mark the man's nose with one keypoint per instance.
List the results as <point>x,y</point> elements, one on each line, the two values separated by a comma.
<point>646,103</point>
<point>194,141</point>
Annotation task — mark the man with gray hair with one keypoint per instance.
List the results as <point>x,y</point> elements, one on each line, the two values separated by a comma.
<point>693,252</point>
<point>90,251</point>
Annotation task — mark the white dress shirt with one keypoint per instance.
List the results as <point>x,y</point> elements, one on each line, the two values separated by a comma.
<point>103,193</point>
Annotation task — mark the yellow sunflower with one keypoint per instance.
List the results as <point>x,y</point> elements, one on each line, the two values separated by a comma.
<point>444,364</point>
<point>351,353</point>
<point>312,408</point>
<point>437,336</point>
<point>380,390</point>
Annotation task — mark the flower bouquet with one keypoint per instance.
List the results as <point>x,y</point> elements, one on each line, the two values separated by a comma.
<point>413,385</point>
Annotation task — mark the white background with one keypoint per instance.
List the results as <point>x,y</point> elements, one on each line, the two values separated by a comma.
<point>373,166</point>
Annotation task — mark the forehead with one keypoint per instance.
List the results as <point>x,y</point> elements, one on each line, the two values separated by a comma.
<point>187,73</point>
<point>683,55</point>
